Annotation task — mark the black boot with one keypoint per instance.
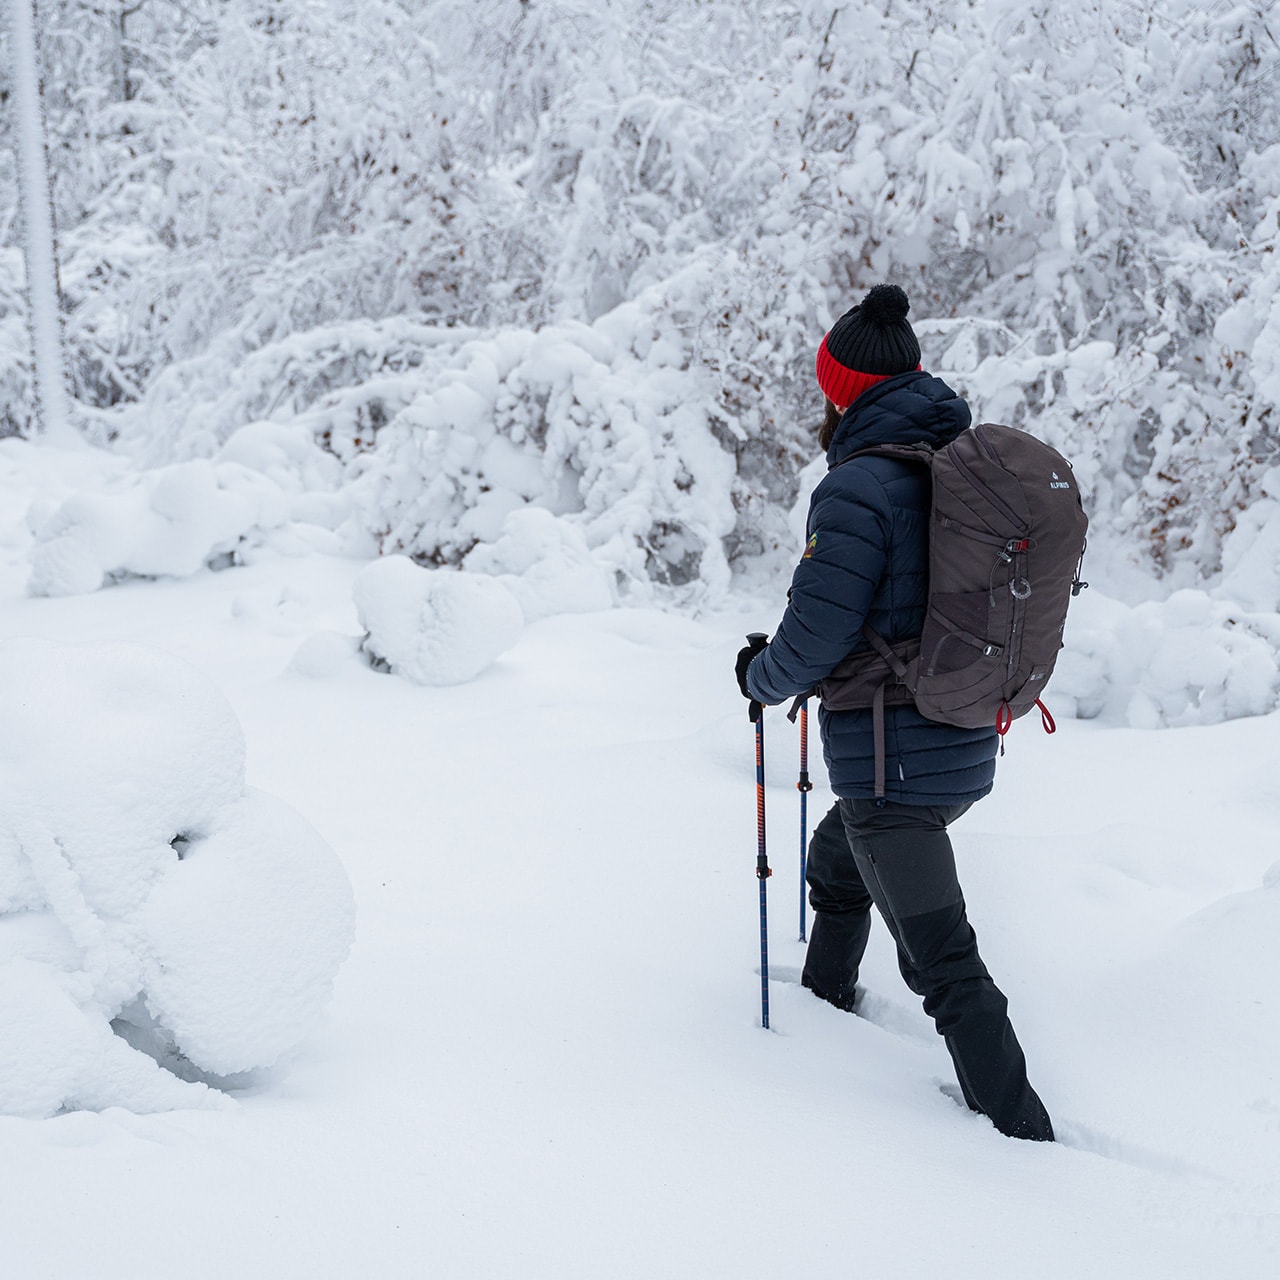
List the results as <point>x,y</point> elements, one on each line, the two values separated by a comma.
<point>836,944</point>
<point>841,915</point>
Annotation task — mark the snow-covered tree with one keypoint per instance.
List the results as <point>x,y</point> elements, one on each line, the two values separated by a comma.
<point>312,213</point>
<point>39,234</point>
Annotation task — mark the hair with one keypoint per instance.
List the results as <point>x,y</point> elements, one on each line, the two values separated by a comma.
<point>830,421</point>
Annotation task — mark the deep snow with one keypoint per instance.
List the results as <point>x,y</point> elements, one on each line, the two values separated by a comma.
<point>544,1057</point>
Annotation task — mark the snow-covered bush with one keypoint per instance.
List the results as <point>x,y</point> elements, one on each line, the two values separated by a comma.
<point>1251,551</point>
<point>173,521</point>
<point>545,564</point>
<point>154,912</point>
<point>1186,660</point>
<point>166,523</point>
<point>434,626</point>
<point>605,423</point>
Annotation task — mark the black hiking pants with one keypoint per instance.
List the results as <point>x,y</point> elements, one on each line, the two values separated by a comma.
<point>899,857</point>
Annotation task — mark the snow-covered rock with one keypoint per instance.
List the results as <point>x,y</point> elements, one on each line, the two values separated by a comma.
<point>434,626</point>
<point>143,885</point>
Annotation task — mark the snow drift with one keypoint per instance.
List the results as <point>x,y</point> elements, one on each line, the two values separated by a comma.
<point>153,909</point>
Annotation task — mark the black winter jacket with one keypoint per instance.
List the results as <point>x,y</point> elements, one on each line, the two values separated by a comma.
<point>867,560</point>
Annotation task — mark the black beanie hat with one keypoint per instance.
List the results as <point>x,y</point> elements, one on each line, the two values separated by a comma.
<point>872,339</point>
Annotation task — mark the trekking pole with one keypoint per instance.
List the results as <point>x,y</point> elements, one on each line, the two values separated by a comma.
<point>804,786</point>
<point>762,861</point>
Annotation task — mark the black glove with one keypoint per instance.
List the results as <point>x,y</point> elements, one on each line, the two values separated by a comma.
<point>756,643</point>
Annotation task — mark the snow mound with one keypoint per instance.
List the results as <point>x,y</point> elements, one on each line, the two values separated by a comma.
<point>144,890</point>
<point>546,564</point>
<point>1187,660</point>
<point>434,626</point>
<point>170,522</point>
<point>325,654</point>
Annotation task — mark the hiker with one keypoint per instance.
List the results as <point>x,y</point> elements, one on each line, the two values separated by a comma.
<point>866,561</point>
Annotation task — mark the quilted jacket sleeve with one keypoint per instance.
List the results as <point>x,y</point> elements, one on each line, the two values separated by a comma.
<point>833,586</point>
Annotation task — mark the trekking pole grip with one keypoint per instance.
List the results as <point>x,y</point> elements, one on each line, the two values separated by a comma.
<point>757,640</point>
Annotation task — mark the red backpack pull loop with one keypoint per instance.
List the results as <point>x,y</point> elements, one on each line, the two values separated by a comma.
<point>1004,719</point>
<point>1045,718</point>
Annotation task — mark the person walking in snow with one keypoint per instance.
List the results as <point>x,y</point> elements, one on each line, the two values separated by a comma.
<point>866,562</point>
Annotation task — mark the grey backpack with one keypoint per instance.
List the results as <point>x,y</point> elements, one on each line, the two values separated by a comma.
<point>1006,543</point>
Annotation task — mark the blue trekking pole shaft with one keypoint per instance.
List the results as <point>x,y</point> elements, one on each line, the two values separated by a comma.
<point>762,874</point>
<point>804,786</point>
<point>762,864</point>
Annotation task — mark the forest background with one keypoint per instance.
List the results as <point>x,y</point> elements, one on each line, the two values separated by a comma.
<point>577,256</point>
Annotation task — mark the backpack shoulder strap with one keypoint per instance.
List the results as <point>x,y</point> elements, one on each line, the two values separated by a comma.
<point>920,453</point>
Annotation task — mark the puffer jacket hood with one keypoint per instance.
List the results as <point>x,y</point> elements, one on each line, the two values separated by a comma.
<point>912,408</point>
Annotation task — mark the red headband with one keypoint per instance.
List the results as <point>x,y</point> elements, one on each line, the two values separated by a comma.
<point>840,384</point>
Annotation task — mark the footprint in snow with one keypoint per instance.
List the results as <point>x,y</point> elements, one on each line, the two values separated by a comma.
<point>1083,1137</point>
<point>870,1007</point>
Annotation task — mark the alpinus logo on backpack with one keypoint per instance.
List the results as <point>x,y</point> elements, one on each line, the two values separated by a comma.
<point>1006,543</point>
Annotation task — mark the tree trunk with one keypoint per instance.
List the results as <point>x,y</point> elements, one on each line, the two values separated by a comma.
<point>39,239</point>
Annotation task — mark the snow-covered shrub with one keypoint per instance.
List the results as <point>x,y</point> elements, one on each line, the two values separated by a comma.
<point>608,423</point>
<point>165,523</point>
<point>288,456</point>
<point>1186,660</point>
<point>544,562</point>
<point>173,521</point>
<point>1249,334</point>
<point>341,382</point>
<point>433,626</point>
<point>154,912</point>
<point>1251,551</point>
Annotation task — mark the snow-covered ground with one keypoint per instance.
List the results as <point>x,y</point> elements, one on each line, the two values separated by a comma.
<point>544,1056</point>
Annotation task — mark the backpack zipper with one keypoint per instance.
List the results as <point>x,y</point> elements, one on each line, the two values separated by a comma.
<point>984,442</point>
<point>1016,560</point>
<point>1019,601</point>
<point>993,498</point>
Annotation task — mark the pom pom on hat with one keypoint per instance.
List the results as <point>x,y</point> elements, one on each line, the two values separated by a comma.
<point>885,305</point>
<point>869,343</point>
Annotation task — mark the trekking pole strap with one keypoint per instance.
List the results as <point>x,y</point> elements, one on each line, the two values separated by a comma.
<point>797,705</point>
